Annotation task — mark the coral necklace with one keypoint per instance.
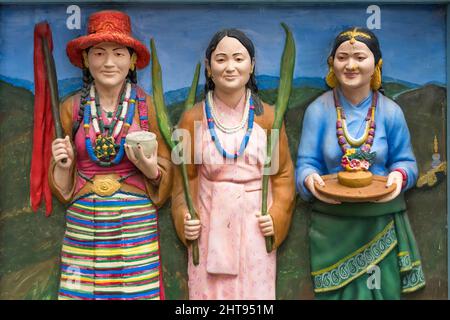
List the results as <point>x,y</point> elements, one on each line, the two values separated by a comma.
<point>212,121</point>
<point>345,140</point>
<point>106,135</point>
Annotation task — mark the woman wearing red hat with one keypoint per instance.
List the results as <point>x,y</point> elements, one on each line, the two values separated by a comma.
<point>110,248</point>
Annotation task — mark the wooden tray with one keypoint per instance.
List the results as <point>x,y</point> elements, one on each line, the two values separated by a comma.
<point>375,191</point>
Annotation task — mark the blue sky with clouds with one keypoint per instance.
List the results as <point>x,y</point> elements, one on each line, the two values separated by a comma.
<point>412,37</point>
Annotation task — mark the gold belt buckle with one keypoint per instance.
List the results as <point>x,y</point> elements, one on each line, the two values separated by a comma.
<point>105,186</point>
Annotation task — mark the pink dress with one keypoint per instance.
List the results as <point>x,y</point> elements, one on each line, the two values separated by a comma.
<point>234,263</point>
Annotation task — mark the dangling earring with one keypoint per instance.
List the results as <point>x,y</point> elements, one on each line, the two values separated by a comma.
<point>331,79</point>
<point>208,72</point>
<point>375,83</point>
<point>133,61</point>
<point>85,59</point>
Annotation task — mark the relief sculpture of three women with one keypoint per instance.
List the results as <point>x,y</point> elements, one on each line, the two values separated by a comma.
<point>234,191</point>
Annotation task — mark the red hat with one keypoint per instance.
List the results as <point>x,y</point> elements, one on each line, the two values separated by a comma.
<point>107,26</point>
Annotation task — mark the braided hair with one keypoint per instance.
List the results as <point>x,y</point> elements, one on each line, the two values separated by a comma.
<point>87,82</point>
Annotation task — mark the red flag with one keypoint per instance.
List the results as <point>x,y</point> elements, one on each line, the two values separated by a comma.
<point>43,131</point>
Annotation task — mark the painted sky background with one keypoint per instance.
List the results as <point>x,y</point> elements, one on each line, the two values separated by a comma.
<point>412,37</point>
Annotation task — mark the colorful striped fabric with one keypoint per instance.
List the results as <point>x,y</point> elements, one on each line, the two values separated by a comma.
<point>111,249</point>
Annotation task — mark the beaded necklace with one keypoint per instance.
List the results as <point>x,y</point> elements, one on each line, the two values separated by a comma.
<point>217,121</point>
<point>345,140</point>
<point>106,135</point>
<point>212,131</point>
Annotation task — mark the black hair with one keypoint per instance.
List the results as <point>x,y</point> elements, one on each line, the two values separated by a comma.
<point>248,44</point>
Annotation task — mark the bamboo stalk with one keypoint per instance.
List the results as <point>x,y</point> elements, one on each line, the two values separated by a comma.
<point>165,126</point>
<point>284,91</point>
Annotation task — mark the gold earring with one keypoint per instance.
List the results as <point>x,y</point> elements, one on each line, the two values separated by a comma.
<point>209,73</point>
<point>375,83</point>
<point>85,59</point>
<point>133,62</point>
<point>331,79</point>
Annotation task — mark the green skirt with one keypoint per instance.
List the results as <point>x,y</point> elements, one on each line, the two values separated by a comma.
<point>363,251</point>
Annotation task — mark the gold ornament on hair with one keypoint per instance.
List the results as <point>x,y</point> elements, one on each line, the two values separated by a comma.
<point>353,34</point>
<point>375,83</point>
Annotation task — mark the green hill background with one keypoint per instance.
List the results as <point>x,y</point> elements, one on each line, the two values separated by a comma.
<point>30,243</point>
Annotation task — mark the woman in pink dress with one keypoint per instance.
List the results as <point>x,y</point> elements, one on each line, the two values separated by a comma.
<point>228,146</point>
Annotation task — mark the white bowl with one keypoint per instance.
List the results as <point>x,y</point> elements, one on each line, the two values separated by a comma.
<point>146,139</point>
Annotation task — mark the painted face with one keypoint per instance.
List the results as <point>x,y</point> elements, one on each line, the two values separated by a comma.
<point>109,63</point>
<point>354,65</point>
<point>230,65</point>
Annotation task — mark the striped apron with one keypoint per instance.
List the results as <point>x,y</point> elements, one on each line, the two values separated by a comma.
<point>111,249</point>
